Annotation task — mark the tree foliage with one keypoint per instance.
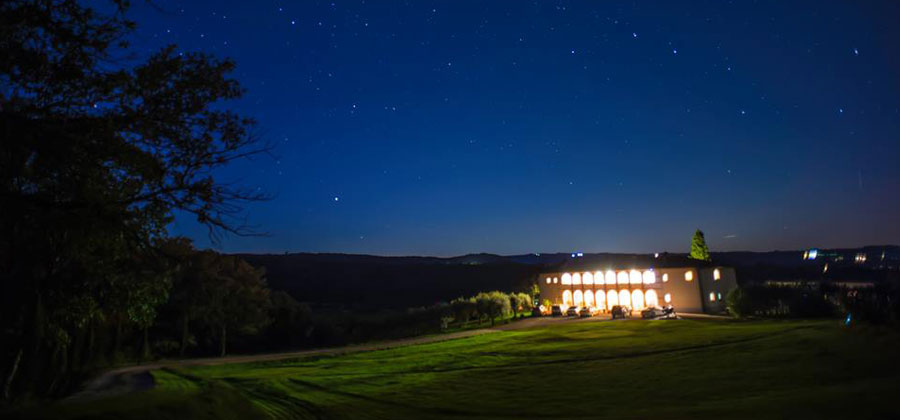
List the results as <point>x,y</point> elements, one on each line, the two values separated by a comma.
<point>699,251</point>
<point>98,150</point>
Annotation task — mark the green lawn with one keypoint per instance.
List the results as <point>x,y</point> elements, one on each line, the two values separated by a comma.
<point>630,369</point>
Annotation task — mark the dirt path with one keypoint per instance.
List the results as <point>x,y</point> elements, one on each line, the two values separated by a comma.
<point>137,378</point>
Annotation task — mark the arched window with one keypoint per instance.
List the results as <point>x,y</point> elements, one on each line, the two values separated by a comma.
<point>622,277</point>
<point>600,299</point>
<point>610,277</point>
<point>548,280</point>
<point>567,297</point>
<point>598,278</point>
<point>637,300</point>
<point>717,274</point>
<point>588,298</point>
<point>667,297</point>
<point>587,278</point>
<point>688,275</point>
<point>578,297</point>
<point>651,299</point>
<point>612,299</point>
<point>624,297</point>
<point>635,277</point>
<point>576,278</point>
<point>649,277</point>
<point>566,278</point>
<point>665,277</point>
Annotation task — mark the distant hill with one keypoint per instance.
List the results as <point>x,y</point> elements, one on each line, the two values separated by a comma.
<point>369,281</point>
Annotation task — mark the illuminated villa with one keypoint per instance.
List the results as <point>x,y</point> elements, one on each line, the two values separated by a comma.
<point>698,287</point>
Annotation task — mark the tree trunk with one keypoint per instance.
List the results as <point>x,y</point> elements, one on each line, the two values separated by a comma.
<point>117,341</point>
<point>184,336</point>
<point>7,386</point>
<point>224,336</point>
<point>145,350</point>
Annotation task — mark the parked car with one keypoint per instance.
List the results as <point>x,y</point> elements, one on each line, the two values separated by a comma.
<point>536,311</point>
<point>651,313</point>
<point>620,311</point>
<point>556,310</point>
<point>573,311</point>
<point>669,312</point>
<point>586,312</point>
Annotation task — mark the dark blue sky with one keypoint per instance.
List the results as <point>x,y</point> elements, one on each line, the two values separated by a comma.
<point>442,128</point>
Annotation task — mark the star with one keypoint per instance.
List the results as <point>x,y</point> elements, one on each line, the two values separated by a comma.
<point>674,51</point>
<point>634,34</point>
<point>855,51</point>
<point>337,199</point>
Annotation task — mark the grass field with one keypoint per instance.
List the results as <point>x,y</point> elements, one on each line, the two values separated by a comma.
<point>629,369</point>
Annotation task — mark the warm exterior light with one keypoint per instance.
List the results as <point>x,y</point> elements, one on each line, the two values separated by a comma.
<point>622,277</point>
<point>578,297</point>
<point>598,277</point>
<point>637,300</point>
<point>548,280</point>
<point>612,299</point>
<point>567,297</point>
<point>588,298</point>
<point>624,297</point>
<point>555,280</point>
<point>688,275</point>
<point>600,299</point>
<point>649,277</point>
<point>576,278</point>
<point>587,278</point>
<point>665,277</point>
<point>610,277</point>
<point>717,274</point>
<point>650,298</point>
<point>566,278</point>
<point>635,277</point>
<point>667,297</point>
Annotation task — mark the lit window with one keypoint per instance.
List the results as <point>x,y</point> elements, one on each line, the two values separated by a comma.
<point>649,277</point>
<point>588,298</point>
<point>712,297</point>
<point>650,298</point>
<point>579,298</point>
<point>567,297</point>
<point>566,278</point>
<point>610,277</point>
<point>598,277</point>
<point>548,280</point>
<point>637,300</point>
<point>624,297</point>
<point>600,299</point>
<point>667,297</point>
<point>635,277</point>
<point>612,299</point>
<point>665,277</point>
<point>719,296</point>
<point>587,278</point>
<point>555,280</point>
<point>716,274</point>
<point>576,278</point>
<point>622,277</point>
<point>688,275</point>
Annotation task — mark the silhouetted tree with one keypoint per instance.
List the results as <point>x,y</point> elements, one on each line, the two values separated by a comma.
<point>97,152</point>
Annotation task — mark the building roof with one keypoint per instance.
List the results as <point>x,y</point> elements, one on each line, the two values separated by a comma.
<point>592,262</point>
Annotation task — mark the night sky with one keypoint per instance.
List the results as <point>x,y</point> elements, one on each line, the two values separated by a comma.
<point>444,128</point>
